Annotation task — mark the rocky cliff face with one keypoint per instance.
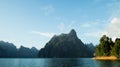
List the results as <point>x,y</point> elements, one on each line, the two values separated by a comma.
<point>65,46</point>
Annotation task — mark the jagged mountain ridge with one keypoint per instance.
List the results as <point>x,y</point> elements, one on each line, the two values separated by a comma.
<point>9,50</point>
<point>65,46</point>
<point>27,52</point>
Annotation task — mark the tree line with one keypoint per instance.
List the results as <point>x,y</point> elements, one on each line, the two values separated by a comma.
<point>107,47</point>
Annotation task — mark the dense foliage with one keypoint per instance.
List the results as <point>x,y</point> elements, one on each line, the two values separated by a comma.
<point>116,48</point>
<point>107,47</point>
<point>65,46</point>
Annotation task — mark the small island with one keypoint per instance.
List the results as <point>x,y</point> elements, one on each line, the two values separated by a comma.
<point>107,49</point>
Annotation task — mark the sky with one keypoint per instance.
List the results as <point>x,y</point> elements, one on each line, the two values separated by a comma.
<point>35,22</point>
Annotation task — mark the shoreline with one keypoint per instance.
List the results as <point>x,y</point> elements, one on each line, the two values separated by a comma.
<point>105,58</point>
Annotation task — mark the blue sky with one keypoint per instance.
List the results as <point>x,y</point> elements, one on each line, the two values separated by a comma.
<point>34,22</point>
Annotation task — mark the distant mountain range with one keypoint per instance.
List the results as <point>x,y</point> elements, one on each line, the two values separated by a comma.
<point>60,46</point>
<point>66,46</point>
<point>9,50</point>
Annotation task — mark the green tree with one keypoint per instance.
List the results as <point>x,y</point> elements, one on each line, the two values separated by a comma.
<point>116,48</point>
<point>104,47</point>
<point>97,51</point>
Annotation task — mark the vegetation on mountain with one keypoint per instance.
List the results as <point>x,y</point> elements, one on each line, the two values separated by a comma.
<point>65,46</point>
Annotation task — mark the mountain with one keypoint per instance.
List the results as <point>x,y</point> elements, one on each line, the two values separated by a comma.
<point>65,46</point>
<point>9,50</point>
<point>91,47</point>
<point>25,52</point>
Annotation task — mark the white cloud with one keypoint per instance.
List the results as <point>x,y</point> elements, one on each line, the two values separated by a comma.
<point>48,9</point>
<point>45,34</point>
<point>113,29</point>
<point>115,20</point>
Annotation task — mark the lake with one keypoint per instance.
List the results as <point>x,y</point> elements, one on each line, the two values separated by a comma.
<point>56,62</point>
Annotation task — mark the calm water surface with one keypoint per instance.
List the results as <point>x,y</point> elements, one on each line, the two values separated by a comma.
<point>58,62</point>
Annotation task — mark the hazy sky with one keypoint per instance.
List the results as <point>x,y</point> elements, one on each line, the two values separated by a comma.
<point>34,22</point>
